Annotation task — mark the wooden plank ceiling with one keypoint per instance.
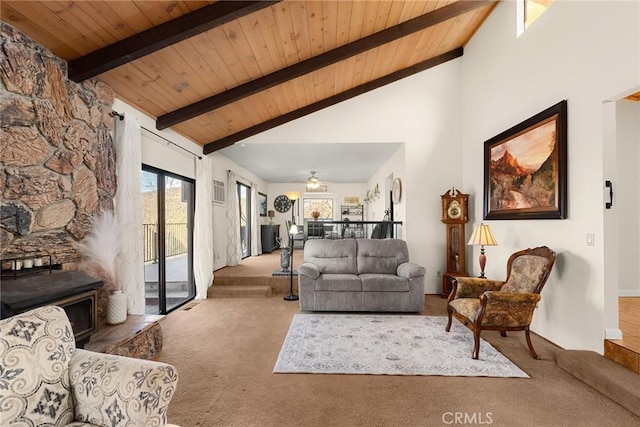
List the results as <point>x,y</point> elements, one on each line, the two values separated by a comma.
<point>218,72</point>
<point>634,97</point>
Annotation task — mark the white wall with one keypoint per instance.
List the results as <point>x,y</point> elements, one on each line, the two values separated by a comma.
<point>423,112</point>
<point>384,178</point>
<point>221,165</point>
<point>627,195</point>
<point>157,152</point>
<point>584,52</point>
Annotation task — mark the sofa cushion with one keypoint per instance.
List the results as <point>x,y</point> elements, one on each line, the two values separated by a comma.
<point>338,283</point>
<point>35,350</point>
<point>381,256</point>
<point>332,256</point>
<point>384,283</point>
<point>467,307</point>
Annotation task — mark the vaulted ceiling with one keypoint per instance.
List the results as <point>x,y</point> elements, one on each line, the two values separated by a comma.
<point>218,72</point>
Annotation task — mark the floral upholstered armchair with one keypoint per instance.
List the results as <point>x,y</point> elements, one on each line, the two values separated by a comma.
<point>46,381</point>
<point>484,304</point>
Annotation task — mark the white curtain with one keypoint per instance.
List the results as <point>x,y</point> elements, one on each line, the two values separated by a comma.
<point>256,240</point>
<point>203,227</point>
<point>234,245</point>
<point>128,210</point>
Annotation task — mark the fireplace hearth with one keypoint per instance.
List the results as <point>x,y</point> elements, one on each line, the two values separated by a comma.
<point>74,291</point>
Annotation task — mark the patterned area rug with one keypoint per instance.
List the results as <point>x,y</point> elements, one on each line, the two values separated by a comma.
<point>387,345</point>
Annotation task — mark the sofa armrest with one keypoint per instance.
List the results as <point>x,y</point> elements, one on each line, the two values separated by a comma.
<point>473,287</point>
<point>410,270</point>
<point>111,390</point>
<point>308,269</point>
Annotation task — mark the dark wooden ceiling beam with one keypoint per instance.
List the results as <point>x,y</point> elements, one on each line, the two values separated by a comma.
<point>312,64</point>
<point>328,102</point>
<point>156,38</point>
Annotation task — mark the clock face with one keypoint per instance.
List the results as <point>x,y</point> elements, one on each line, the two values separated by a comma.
<point>454,211</point>
<point>282,203</point>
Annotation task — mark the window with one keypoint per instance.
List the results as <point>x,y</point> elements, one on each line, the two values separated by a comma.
<point>244,196</point>
<point>323,206</point>
<point>529,11</point>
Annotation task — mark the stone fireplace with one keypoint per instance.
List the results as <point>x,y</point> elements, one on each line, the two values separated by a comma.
<point>57,155</point>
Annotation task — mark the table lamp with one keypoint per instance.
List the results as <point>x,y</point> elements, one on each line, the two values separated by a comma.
<point>482,237</point>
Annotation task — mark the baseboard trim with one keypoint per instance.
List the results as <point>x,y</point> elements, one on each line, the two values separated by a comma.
<point>631,293</point>
<point>613,334</point>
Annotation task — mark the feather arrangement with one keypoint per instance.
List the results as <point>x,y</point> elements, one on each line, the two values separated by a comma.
<point>100,251</point>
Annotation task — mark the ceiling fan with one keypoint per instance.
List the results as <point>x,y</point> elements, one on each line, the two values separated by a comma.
<point>313,182</point>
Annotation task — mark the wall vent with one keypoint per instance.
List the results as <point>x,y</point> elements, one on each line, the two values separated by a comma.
<point>218,192</point>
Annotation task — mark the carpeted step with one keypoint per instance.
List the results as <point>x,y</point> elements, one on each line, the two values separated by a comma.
<point>611,379</point>
<point>239,291</point>
<point>278,285</point>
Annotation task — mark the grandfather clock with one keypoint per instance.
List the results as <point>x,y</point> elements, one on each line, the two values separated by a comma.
<point>455,207</point>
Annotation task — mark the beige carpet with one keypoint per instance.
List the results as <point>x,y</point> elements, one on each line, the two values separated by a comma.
<point>225,350</point>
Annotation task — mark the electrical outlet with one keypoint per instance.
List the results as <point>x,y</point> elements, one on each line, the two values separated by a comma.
<point>591,239</point>
<point>438,274</point>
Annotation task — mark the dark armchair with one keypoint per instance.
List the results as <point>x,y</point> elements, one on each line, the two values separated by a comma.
<point>484,304</point>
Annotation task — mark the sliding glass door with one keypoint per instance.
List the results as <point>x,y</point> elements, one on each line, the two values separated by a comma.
<point>244,196</point>
<point>168,207</point>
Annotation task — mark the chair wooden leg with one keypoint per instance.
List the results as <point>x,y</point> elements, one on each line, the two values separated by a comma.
<point>449,313</point>
<point>503,333</point>
<point>533,352</point>
<point>476,343</point>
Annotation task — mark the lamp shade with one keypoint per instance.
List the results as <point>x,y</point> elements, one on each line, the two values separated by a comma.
<point>293,195</point>
<point>293,229</point>
<point>482,236</point>
<point>271,214</point>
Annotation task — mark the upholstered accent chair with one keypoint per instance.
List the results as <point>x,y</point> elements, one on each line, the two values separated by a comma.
<point>484,304</point>
<point>46,381</point>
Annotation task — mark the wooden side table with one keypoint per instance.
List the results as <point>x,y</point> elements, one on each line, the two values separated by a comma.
<point>447,285</point>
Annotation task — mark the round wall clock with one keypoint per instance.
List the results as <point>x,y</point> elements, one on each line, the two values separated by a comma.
<point>282,203</point>
<point>396,190</point>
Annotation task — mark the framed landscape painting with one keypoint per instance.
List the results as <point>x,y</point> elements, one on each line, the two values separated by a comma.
<point>525,168</point>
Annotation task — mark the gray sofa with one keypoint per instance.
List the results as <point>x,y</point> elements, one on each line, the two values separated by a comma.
<point>360,275</point>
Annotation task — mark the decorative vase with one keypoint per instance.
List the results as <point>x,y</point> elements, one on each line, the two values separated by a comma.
<point>116,308</point>
<point>284,259</point>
